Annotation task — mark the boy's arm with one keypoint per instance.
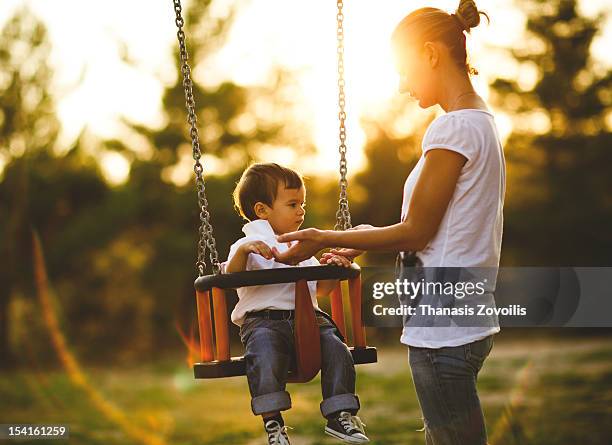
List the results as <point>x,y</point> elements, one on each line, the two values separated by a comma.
<point>324,287</point>
<point>238,262</point>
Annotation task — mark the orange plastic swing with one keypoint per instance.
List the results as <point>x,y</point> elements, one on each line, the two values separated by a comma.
<point>216,361</point>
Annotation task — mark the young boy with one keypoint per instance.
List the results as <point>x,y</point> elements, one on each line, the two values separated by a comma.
<point>272,198</point>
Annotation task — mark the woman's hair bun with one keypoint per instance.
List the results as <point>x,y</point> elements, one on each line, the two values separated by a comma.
<point>468,15</point>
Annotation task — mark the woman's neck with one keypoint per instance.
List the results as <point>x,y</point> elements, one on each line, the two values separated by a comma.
<point>460,94</point>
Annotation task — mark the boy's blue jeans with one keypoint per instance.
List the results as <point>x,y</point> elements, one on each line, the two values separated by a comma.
<point>445,383</point>
<point>270,351</point>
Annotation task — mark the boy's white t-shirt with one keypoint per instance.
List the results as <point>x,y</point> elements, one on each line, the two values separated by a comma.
<point>268,296</point>
<point>470,233</point>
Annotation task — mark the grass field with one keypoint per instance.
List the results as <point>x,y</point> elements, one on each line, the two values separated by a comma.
<point>534,391</point>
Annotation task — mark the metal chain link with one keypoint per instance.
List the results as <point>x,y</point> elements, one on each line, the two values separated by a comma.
<point>206,237</point>
<point>343,216</point>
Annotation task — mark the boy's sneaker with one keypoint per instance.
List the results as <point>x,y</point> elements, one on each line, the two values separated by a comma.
<point>347,427</point>
<point>277,434</point>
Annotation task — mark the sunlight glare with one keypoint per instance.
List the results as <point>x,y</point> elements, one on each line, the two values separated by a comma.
<point>297,36</point>
<point>115,167</point>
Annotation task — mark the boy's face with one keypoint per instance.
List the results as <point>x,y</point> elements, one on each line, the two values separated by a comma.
<point>287,211</point>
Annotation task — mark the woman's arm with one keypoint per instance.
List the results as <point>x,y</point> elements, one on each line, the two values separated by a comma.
<point>430,197</point>
<point>351,254</point>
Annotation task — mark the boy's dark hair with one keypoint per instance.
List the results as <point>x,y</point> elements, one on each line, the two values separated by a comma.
<point>259,183</point>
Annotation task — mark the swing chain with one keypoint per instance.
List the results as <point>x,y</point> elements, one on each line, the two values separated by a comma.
<point>206,237</point>
<point>343,216</point>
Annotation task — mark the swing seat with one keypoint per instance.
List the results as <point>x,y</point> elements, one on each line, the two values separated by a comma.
<point>235,366</point>
<point>216,362</point>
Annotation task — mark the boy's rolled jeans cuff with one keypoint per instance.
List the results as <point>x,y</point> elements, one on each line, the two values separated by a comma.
<point>274,401</point>
<point>340,402</point>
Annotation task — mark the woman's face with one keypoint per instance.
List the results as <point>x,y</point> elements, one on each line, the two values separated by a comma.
<point>417,76</point>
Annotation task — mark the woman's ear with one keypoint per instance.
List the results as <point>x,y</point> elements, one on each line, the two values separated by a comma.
<point>432,54</point>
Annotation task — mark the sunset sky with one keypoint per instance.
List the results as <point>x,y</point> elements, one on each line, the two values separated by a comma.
<point>89,36</point>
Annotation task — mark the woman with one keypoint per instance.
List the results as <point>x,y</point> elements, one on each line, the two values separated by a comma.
<point>451,215</point>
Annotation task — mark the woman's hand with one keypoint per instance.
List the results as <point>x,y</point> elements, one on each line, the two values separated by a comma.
<point>309,242</point>
<point>345,252</point>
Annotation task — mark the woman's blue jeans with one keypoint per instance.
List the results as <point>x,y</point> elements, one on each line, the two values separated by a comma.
<point>445,383</point>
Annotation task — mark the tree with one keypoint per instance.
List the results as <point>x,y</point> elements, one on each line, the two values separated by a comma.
<point>124,255</point>
<point>558,208</point>
<point>28,127</point>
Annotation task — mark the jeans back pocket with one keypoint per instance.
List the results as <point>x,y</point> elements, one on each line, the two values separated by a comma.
<point>478,351</point>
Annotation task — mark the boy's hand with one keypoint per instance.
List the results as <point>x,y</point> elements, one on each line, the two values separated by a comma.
<point>258,247</point>
<point>338,260</point>
<point>351,254</point>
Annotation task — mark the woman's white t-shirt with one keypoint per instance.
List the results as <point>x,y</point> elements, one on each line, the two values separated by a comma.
<point>470,234</point>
